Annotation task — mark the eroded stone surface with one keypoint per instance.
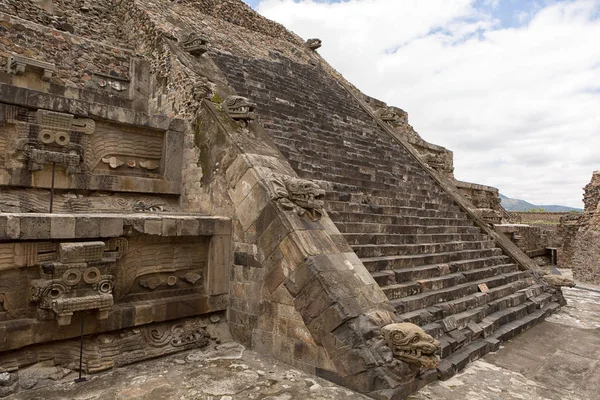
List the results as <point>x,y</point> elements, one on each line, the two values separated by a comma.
<point>224,372</point>
<point>557,359</point>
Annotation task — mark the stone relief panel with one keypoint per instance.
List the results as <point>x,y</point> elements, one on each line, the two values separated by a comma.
<point>53,280</point>
<point>166,267</point>
<point>123,150</point>
<point>86,154</point>
<point>77,276</point>
<point>16,200</point>
<point>114,349</point>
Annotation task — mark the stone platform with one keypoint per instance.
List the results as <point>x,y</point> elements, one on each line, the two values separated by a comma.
<point>557,359</point>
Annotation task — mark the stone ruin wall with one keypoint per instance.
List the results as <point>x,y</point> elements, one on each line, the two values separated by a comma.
<point>581,233</point>
<point>292,286</point>
<point>117,251</point>
<point>156,309</point>
<point>549,220</point>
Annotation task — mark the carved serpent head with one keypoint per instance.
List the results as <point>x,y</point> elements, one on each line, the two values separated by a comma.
<point>301,195</point>
<point>314,43</point>
<point>411,344</point>
<point>239,108</point>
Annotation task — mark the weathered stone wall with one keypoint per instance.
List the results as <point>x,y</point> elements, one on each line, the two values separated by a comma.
<point>279,302</point>
<point>154,282</point>
<point>591,201</point>
<point>540,218</point>
<point>77,58</point>
<point>581,233</point>
<point>297,290</point>
<point>91,19</point>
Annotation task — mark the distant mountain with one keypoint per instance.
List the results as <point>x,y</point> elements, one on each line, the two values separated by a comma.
<point>522,205</point>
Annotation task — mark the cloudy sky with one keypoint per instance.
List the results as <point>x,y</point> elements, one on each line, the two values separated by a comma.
<point>511,86</point>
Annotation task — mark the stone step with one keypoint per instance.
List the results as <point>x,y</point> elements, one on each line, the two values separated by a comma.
<point>423,300</point>
<point>365,171</point>
<point>383,185</point>
<point>507,295</point>
<point>433,270</point>
<point>368,195</point>
<point>334,153</point>
<point>360,227</point>
<point>381,250</point>
<point>477,345</point>
<point>338,194</point>
<point>445,281</point>
<point>395,262</point>
<point>340,216</point>
<point>458,361</point>
<point>512,329</point>
<point>343,206</point>
<point>383,238</point>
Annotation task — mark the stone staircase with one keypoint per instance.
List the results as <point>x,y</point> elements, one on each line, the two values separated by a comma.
<point>427,255</point>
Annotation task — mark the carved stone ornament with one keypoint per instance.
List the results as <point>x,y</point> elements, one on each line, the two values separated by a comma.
<point>239,108</point>
<point>194,44</point>
<point>314,43</point>
<point>411,344</point>
<point>303,196</point>
<point>17,65</point>
<point>558,280</point>
<point>82,278</point>
<point>389,115</point>
<point>489,215</point>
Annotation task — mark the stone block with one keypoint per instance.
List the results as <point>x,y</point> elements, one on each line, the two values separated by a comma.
<point>251,207</point>
<point>272,237</point>
<point>262,341</point>
<point>80,252</point>
<point>187,227</point>
<point>35,227</point>
<point>219,264</point>
<point>449,323</point>
<point>87,227</point>
<point>169,227</point>
<point>153,227</point>
<point>236,170</point>
<point>13,227</point>
<point>243,187</point>
<point>274,278</point>
<point>62,227</point>
<point>111,227</point>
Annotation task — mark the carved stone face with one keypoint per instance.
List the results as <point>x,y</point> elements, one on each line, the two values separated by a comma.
<point>194,44</point>
<point>411,344</point>
<point>301,195</point>
<point>306,194</point>
<point>239,108</point>
<point>82,278</point>
<point>314,44</point>
<point>388,115</point>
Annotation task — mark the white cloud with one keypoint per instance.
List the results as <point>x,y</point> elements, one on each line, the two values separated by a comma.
<point>520,107</point>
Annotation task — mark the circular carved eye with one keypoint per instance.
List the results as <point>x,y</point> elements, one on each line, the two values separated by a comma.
<point>415,339</point>
<point>46,136</point>
<point>171,280</point>
<point>105,287</point>
<point>72,277</point>
<point>62,138</point>
<point>55,292</point>
<point>91,275</point>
